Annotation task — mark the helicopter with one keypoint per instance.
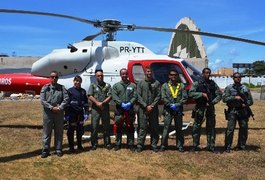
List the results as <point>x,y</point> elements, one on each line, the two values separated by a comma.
<point>84,57</point>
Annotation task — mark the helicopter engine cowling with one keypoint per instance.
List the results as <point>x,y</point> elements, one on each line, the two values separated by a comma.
<point>63,61</point>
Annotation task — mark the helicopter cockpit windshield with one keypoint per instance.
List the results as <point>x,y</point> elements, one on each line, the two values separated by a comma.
<point>160,72</point>
<point>194,73</point>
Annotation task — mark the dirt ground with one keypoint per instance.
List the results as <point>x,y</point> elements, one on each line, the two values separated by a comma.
<point>20,147</point>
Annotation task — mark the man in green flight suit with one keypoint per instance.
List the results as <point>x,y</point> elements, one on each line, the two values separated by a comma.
<point>238,99</point>
<point>99,94</point>
<point>174,96</point>
<point>149,95</point>
<point>206,94</point>
<point>124,94</point>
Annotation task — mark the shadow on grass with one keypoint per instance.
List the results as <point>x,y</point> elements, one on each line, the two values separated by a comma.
<point>22,126</point>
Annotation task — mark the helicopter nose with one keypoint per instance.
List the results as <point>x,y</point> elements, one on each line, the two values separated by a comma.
<point>63,61</point>
<point>40,67</point>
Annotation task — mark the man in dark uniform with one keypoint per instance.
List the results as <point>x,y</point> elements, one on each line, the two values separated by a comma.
<point>206,94</point>
<point>149,95</point>
<point>54,99</point>
<point>124,94</point>
<point>238,99</point>
<point>99,94</point>
<point>174,96</point>
<point>76,113</point>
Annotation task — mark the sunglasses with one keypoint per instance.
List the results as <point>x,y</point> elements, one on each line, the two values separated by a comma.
<point>173,74</point>
<point>237,76</point>
<point>54,77</point>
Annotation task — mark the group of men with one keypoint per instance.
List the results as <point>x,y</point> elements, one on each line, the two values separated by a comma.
<point>72,104</point>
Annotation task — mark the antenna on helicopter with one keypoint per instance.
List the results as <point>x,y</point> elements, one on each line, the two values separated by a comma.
<point>72,48</point>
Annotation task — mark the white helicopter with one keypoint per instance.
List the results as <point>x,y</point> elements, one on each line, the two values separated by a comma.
<point>84,57</point>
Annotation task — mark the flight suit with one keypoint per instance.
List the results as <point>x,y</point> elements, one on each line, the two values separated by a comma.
<point>77,107</point>
<point>53,96</point>
<point>237,113</point>
<point>206,109</point>
<point>169,114</point>
<point>149,93</point>
<point>100,92</point>
<point>124,93</point>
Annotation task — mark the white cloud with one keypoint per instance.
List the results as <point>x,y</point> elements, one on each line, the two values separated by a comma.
<point>215,65</point>
<point>25,29</point>
<point>212,48</point>
<point>234,52</point>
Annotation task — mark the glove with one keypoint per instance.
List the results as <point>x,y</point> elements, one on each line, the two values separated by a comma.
<point>85,117</point>
<point>67,118</point>
<point>173,107</point>
<point>123,106</point>
<point>128,106</point>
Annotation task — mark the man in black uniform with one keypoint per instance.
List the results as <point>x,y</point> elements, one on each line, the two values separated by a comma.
<point>238,99</point>
<point>76,113</point>
<point>206,94</point>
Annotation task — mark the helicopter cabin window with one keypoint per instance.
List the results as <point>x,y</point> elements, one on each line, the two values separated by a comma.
<point>137,72</point>
<point>194,73</point>
<point>160,72</point>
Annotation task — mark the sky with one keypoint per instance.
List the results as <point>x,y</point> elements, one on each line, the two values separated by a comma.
<point>34,35</point>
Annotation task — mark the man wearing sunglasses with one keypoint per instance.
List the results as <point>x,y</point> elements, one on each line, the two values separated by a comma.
<point>174,95</point>
<point>54,99</point>
<point>238,99</point>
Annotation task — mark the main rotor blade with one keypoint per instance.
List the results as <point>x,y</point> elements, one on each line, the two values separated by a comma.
<point>201,33</point>
<point>89,38</point>
<point>49,14</point>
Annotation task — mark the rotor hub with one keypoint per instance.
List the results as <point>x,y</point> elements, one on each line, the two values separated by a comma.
<point>110,25</point>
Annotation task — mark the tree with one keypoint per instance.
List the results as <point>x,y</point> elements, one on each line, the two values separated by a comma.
<point>259,67</point>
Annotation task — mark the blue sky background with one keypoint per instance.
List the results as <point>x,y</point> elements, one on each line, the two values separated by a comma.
<point>30,35</point>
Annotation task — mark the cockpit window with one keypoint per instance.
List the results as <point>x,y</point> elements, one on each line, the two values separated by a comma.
<point>194,73</point>
<point>160,72</point>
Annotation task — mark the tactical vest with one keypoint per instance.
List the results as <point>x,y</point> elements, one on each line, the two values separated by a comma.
<point>235,91</point>
<point>209,89</point>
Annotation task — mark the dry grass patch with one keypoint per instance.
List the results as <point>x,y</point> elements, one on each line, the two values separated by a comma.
<point>20,142</point>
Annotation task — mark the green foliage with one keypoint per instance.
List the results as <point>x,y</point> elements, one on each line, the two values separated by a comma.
<point>251,85</point>
<point>259,68</point>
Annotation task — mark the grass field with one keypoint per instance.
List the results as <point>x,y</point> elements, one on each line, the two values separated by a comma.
<point>20,146</point>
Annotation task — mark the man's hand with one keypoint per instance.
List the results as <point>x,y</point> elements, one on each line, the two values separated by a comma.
<point>239,98</point>
<point>56,109</point>
<point>149,108</point>
<point>86,117</point>
<point>100,105</point>
<point>205,96</point>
